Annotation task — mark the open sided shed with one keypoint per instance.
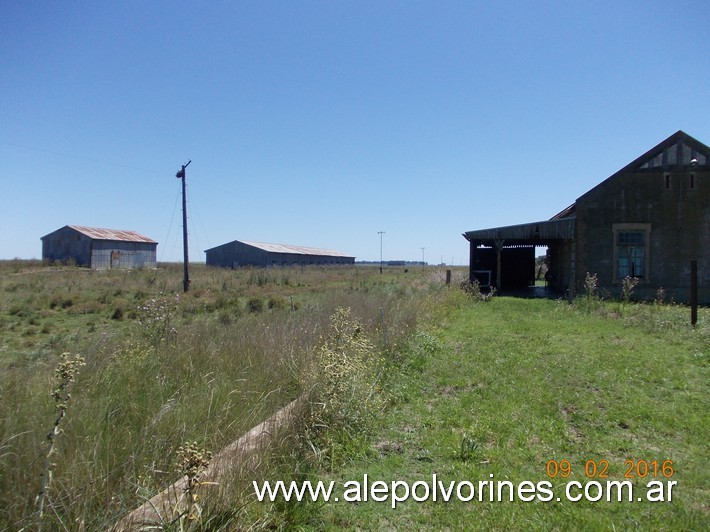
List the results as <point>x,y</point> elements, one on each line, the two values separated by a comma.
<point>100,249</point>
<point>246,253</point>
<point>505,256</point>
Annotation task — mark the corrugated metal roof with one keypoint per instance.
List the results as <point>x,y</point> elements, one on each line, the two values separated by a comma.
<point>529,233</point>
<point>567,212</point>
<point>298,250</point>
<point>112,234</point>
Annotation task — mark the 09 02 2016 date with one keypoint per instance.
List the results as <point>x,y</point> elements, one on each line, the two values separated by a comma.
<point>600,468</point>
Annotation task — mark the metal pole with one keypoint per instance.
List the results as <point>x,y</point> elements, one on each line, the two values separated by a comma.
<point>380,233</point>
<point>186,260</point>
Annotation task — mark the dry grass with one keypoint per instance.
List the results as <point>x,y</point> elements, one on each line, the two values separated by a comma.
<point>162,368</point>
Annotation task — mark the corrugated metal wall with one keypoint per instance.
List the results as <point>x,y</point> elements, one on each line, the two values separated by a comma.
<point>66,244</point>
<point>107,255</point>
<point>237,254</point>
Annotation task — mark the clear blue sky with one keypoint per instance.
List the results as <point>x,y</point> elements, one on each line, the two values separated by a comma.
<point>321,123</point>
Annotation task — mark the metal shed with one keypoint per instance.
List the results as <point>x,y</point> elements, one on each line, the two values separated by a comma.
<point>100,249</point>
<point>246,253</point>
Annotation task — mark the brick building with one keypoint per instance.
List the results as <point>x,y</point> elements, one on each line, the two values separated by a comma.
<point>649,220</point>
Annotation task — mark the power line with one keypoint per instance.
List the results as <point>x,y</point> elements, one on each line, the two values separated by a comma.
<point>170,227</point>
<point>83,158</point>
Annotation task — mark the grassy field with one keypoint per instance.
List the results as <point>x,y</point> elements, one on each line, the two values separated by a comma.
<point>161,368</point>
<point>496,390</point>
<point>405,379</point>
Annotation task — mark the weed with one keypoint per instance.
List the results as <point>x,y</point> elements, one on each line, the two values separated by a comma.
<point>473,288</point>
<point>65,374</point>
<point>590,286</point>
<point>276,303</point>
<point>487,296</point>
<point>255,304</point>
<point>18,310</point>
<point>225,318</point>
<point>59,301</point>
<point>258,277</point>
<point>660,296</point>
<point>191,462</point>
<point>628,285</point>
<point>468,448</point>
<point>420,349</point>
<point>590,301</point>
<point>345,378</point>
<point>155,317</point>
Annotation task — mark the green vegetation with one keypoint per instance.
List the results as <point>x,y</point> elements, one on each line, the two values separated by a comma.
<point>504,387</point>
<point>405,379</point>
<point>161,368</point>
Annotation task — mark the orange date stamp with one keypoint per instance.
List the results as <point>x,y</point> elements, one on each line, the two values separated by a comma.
<point>600,468</point>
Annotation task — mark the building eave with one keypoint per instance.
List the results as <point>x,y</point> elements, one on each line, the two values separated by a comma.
<point>534,233</point>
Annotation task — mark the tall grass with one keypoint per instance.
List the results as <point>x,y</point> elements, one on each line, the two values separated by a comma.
<point>162,368</point>
<point>497,390</point>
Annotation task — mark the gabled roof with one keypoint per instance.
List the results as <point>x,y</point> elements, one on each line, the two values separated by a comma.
<point>111,234</point>
<point>296,250</point>
<point>678,151</point>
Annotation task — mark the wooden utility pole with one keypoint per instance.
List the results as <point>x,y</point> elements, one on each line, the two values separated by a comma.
<point>186,260</point>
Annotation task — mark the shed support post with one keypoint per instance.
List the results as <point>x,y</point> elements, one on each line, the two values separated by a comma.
<point>499,249</point>
<point>471,249</point>
<point>572,272</point>
<point>693,292</point>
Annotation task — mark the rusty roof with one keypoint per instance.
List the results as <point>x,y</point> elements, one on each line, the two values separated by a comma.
<point>112,234</point>
<point>298,250</point>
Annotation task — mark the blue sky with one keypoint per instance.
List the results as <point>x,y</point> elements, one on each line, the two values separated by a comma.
<point>321,123</point>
